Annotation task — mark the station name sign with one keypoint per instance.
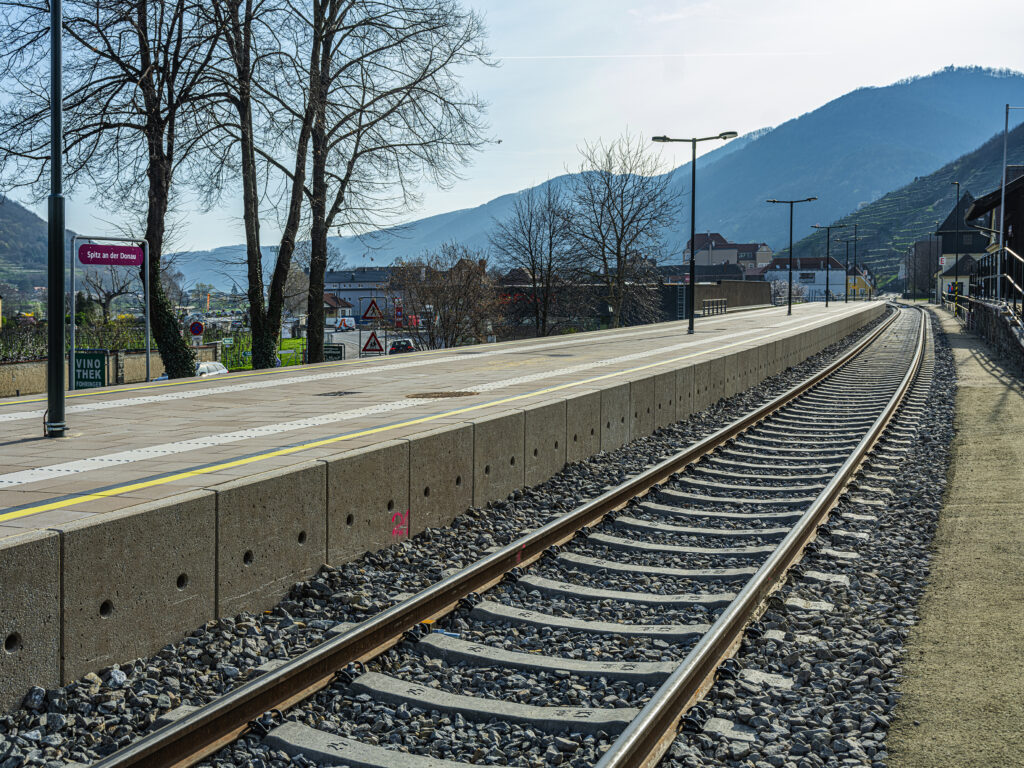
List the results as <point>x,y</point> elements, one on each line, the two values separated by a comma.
<point>116,255</point>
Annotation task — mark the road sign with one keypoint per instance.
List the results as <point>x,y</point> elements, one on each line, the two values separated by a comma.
<point>373,344</point>
<point>115,255</point>
<point>228,341</point>
<point>196,328</point>
<point>90,369</point>
<point>373,311</point>
<point>333,352</point>
<point>942,261</point>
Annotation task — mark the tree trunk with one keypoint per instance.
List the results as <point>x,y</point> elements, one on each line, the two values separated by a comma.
<point>318,210</point>
<point>178,357</point>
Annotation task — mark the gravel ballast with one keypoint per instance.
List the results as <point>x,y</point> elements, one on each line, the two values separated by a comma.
<point>94,716</point>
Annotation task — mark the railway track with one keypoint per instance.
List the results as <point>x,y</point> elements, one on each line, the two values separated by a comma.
<point>615,617</point>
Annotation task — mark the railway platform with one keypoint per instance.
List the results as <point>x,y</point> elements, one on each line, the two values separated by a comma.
<point>174,503</point>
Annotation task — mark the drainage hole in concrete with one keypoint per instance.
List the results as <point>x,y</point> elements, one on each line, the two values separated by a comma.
<point>556,445</point>
<point>427,395</point>
<point>302,536</point>
<point>636,414</point>
<point>391,506</point>
<point>487,469</point>
<point>458,481</point>
<point>622,420</point>
<point>574,438</point>
<point>426,491</point>
<point>349,519</point>
<point>248,557</point>
<point>608,425</point>
<point>512,460</point>
<point>106,609</point>
<point>12,643</point>
<point>534,452</point>
<point>592,430</point>
<point>182,581</point>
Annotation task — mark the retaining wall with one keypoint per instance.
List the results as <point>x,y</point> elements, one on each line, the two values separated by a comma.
<point>110,588</point>
<point>30,378</point>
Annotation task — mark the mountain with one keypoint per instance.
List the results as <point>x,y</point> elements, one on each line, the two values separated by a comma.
<point>890,224</point>
<point>848,153</point>
<point>22,246</point>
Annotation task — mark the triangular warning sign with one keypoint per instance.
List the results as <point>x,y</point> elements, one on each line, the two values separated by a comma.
<point>373,311</point>
<point>373,343</point>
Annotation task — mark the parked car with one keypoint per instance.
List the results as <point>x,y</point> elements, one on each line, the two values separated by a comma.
<point>401,345</point>
<point>210,369</point>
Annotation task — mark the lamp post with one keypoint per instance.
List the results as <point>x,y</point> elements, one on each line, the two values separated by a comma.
<point>828,251</point>
<point>846,274</point>
<point>791,203</point>
<point>855,275</point>
<point>54,425</point>
<point>1002,203</point>
<point>956,257</point>
<point>692,287</point>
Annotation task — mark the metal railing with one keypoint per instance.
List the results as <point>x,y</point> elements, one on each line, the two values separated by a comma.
<point>714,306</point>
<point>999,276</point>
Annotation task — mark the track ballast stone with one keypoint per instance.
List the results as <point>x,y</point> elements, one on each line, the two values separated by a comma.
<point>844,664</point>
<point>96,715</point>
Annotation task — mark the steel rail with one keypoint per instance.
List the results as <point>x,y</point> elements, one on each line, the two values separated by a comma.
<point>213,726</point>
<point>648,737</point>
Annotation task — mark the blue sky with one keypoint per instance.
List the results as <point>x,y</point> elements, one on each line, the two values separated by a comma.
<point>576,70</point>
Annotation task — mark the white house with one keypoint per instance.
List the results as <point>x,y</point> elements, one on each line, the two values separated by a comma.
<point>810,275</point>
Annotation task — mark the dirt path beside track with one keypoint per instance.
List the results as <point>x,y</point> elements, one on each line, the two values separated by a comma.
<point>963,704</point>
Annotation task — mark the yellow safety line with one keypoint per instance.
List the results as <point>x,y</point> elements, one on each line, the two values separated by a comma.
<point>363,433</point>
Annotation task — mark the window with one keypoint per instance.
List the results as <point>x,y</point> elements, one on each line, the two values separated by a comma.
<point>806,277</point>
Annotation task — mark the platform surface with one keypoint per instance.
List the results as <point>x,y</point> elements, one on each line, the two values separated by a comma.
<point>133,443</point>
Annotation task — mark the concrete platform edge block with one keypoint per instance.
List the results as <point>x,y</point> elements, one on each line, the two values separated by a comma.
<point>499,466</point>
<point>545,440</point>
<point>271,532</point>
<point>641,407</point>
<point>701,385</point>
<point>30,616</point>
<point>615,415</point>
<point>582,426</point>
<point>684,392</point>
<point>136,579</point>
<point>664,398</point>
<point>367,499</point>
<point>440,476</point>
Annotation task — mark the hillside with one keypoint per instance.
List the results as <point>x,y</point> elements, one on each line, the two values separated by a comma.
<point>849,152</point>
<point>23,246</point>
<point>890,224</point>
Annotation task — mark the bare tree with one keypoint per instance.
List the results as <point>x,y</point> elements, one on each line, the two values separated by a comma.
<point>106,285</point>
<point>389,112</point>
<point>135,73</point>
<point>620,206</point>
<point>451,294</point>
<point>533,242</point>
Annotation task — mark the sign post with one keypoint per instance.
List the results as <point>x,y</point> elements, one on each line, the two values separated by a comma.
<point>90,369</point>
<point>124,253</point>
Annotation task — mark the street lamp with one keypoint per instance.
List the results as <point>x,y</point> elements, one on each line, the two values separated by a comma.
<point>692,287</point>
<point>54,425</point>
<point>1002,204</point>
<point>956,262</point>
<point>828,251</point>
<point>791,203</point>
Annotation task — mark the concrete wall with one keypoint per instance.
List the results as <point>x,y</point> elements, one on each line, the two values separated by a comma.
<point>30,378</point>
<point>137,579</point>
